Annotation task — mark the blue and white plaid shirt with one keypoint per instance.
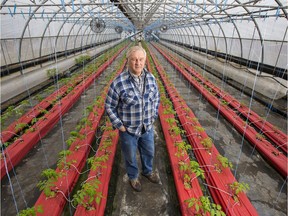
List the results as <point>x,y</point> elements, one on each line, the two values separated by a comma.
<point>127,105</point>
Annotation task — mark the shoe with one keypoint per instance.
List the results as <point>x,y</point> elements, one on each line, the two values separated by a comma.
<point>135,184</point>
<point>152,177</point>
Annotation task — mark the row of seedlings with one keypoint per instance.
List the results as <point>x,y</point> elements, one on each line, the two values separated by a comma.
<point>91,199</point>
<point>30,117</point>
<point>223,186</point>
<point>57,184</point>
<point>42,124</point>
<point>266,128</point>
<point>185,171</point>
<point>271,153</point>
<point>15,112</point>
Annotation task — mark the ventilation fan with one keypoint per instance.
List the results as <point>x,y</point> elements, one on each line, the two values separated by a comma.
<point>119,29</point>
<point>97,25</point>
<point>163,28</point>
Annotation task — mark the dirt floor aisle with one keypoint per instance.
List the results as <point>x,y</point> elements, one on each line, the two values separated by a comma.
<point>154,199</point>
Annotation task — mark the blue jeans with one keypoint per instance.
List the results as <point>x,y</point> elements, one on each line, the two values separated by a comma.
<point>145,145</point>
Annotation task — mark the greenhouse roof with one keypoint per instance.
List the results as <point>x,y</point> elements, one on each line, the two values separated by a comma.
<point>209,24</point>
<point>143,14</point>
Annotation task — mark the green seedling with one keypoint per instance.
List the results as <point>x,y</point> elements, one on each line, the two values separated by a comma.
<point>223,163</point>
<point>202,206</point>
<point>88,195</point>
<point>47,184</point>
<point>31,211</point>
<point>237,188</point>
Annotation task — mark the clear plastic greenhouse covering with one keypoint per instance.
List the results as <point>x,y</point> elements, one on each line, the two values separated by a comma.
<point>251,30</point>
<point>221,70</point>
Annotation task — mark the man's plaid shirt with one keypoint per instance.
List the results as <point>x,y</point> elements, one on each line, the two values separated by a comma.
<point>126,105</point>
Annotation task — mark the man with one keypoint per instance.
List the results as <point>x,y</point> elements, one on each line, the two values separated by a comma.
<point>132,106</point>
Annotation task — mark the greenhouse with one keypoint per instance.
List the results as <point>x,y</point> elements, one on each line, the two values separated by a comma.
<point>143,108</point>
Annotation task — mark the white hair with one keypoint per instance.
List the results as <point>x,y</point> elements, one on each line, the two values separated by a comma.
<point>134,49</point>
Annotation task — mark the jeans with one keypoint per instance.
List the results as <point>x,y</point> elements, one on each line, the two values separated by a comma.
<point>145,145</point>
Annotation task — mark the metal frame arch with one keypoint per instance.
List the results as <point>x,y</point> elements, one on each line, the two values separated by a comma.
<point>3,3</point>
<point>258,30</point>
<point>75,23</point>
<point>219,24</point>
<point>88,25</point>
<point>93,36</point>
<point>187,29</point>
<point>89,39</point>
<point>209,29</point>
<point>176,35</point>
<point>172,34</point>
<point>88,35</point>
<point>104,33</point>
<point>24,30</point>
<point>100,34</point>
<point>161,36</point>
<point>169,20</point>
<point>44,32</point>
<point>204,31</point>
<point>83,33</point>
<point>197,34</point>
<point>190,29</point>
<point>111,34</point>
<point>64,22</point>
<point>238,33</point>
<point>200,26</point>
<point>82,16</point>
<point>87,19</point>
<point>224,36</point>
<point>180,35</point>
<point>80,30</point>
<point>185,34</point>
<point>102,37</point>
<point>239,36</point>
<point>281,5</point>
<point>61,27</point>
<point>219,11</point>
<point>204,35</point>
